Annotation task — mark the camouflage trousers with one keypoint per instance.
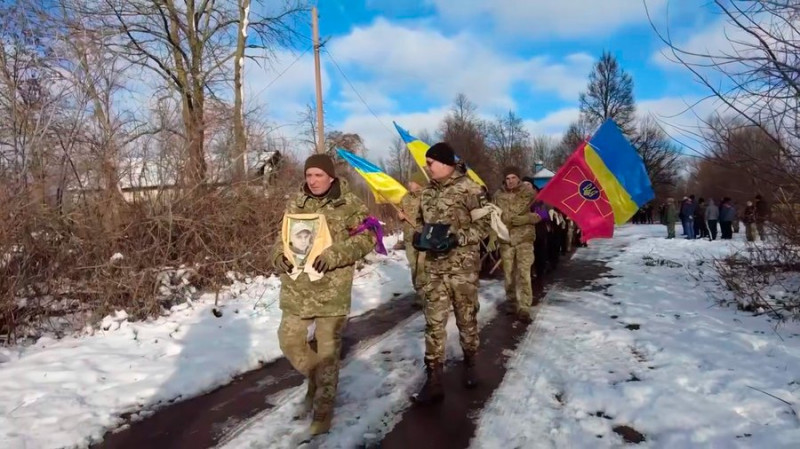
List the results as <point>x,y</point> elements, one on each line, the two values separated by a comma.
<point>416,262</point>
<point>321,366</point>
<point>517,262</point>
<point>442,290</point>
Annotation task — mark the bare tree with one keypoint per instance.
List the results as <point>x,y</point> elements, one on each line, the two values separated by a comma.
<point>190,47</point>
<point>32,97</point>
<point>576,133</point>
<point>609,94</point>
<point>400,164</point>
<point>756,132</point>
<point>544,149</point>
<point>509,141</point>
<point>467,134</point>
<point>661,157</point>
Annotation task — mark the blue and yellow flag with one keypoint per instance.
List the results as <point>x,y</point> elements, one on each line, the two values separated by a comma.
<point>623,163</point>
<point>385,188</point>
<point>602,183</point>
<point>418,149</point>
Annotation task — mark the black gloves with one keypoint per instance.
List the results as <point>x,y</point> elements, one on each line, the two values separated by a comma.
<point>323,262</point>
<point>449,243</point>
<point>283,264</point>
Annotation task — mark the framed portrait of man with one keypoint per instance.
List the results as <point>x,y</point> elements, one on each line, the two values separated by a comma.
<point>304,238</point>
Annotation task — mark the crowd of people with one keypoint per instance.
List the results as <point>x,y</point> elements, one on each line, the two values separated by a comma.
<point>705,219</point>
<point>452,227</point>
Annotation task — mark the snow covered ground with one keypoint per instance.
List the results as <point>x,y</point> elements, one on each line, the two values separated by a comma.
<point>68,392</point>
<point>645,347</point>
<point>375,384</point>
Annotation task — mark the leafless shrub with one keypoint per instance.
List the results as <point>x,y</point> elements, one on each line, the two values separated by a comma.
<point>58,266</point>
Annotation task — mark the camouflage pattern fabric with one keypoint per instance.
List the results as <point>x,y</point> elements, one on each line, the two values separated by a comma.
<point>517,262</point>
<point>460,290</point>
<point>321,367</point>
<point>450,202</point>
<point>517,215</point>
<point>329,296</point>
<point>517,255</point>
<point>453,276</point>
<point>570,234</point>
<point>410,206</point>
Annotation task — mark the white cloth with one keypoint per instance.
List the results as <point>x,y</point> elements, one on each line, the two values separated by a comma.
<point>497,224</point>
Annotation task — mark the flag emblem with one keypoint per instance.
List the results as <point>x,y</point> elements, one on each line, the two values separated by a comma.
<point>589,191</point>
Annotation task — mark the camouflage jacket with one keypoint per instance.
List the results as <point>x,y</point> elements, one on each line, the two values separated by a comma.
<point>451,201</point>
<point>329,296</point>
<point>410,206</point>
<point>515,203</point>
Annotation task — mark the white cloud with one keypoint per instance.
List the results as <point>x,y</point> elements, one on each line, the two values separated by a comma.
<point>567,79</point>
<point>553,124</point>
<point>379,134</point>
<point>424,59</point>
<point>284,84</point>
<point>540,18</point>
<point>440,66</point>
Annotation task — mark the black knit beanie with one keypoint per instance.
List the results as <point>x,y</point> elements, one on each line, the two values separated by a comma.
<point>443,153</point>
<point>511,171</point>
<point>322,162</point>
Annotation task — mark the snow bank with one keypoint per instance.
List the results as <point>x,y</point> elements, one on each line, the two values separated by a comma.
<point>69,392</point>
<point>644,347</point>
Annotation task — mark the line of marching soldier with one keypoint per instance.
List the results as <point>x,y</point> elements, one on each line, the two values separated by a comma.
<point>449,220</point>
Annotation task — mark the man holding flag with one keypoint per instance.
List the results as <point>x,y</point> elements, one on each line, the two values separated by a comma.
<point>454,222</point>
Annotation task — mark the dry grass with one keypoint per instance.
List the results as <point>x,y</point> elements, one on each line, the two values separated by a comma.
<point>59,270</point>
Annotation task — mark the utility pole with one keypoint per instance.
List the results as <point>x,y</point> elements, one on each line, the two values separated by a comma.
<point>320,120</point>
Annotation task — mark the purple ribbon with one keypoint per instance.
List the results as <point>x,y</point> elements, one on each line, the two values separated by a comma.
<point>372,224</point>
<point>540,210</point>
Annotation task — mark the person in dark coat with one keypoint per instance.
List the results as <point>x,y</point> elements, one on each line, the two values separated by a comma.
<point>727,213</point>
<point>540,245</point>
<point>687,217</point>
<point>762,214</point>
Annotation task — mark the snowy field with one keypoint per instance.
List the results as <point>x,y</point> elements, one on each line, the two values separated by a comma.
<point>645,347</point>
<point>68,392</point>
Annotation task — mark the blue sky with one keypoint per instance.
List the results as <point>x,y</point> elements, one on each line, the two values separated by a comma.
<point>409,58</point>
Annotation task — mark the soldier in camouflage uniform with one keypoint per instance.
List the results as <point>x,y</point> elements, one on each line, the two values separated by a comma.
<point>409,213</point>
<point>325,302</point>
<point>517,255</point>
<point>452,264</point>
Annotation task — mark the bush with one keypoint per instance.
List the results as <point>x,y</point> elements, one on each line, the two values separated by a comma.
<point>61,270</point>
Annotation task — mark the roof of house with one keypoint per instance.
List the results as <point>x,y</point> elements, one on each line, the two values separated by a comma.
<point>543,173</point>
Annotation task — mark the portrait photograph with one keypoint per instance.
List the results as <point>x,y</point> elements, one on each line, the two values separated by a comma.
<point>304,237</point>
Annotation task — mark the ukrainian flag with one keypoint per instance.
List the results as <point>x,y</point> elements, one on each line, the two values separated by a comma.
<point>418,149</point>
<point>623,162</point>
<point>385,188</point>
<point>602,183</point>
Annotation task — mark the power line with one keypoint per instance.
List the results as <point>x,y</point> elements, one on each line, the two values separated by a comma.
<point>356,91</point>
<point>283,72</point>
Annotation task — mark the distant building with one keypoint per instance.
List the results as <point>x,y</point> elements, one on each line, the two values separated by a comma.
<point>541,175</point>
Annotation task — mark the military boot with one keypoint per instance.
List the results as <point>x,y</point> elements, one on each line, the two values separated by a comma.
<point>470,373</point>
<point>432,391</point>
<point>524,316</point>
<point>321,423</point>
